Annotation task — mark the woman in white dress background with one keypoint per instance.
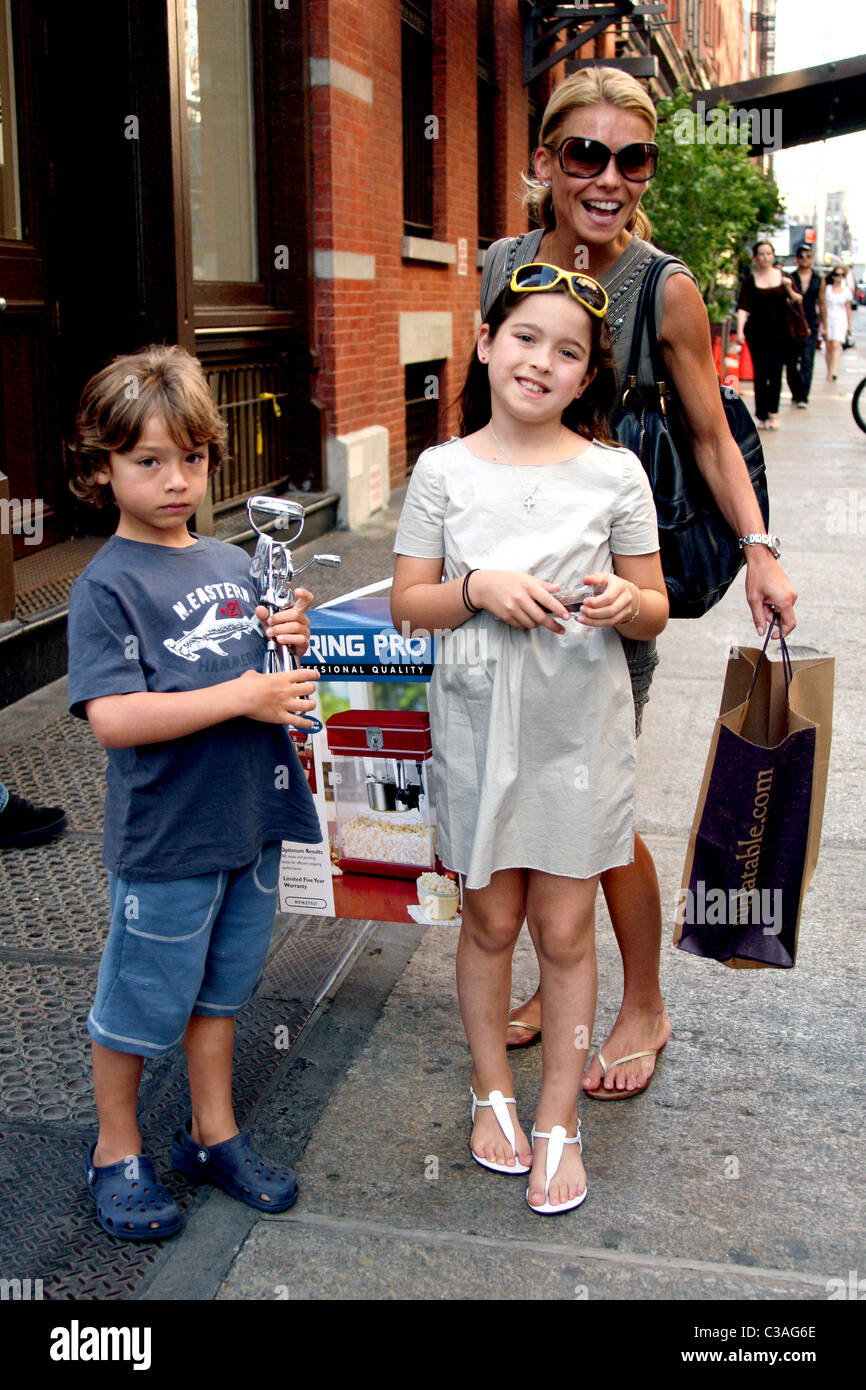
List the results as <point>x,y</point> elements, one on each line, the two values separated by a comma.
<point>534,747</point>
<point>838,301</point>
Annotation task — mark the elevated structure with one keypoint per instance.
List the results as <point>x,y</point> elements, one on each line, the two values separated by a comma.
<point>801,107</point>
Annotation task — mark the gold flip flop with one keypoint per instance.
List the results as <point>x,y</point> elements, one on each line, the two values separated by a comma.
<point>602,1094</point>
<point>530,1028</point>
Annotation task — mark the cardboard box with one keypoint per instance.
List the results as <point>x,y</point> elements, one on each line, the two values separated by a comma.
<point>368,767</point>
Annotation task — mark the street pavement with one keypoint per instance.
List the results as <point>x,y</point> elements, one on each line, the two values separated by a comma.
<point>738,1175</point>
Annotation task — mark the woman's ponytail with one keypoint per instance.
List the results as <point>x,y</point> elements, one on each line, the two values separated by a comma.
<point>640,225</point>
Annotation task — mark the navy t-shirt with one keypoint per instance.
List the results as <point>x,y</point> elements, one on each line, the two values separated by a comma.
<point>150,617</point>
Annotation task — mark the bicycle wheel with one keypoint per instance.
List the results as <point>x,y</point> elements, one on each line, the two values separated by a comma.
<point>858,405</point>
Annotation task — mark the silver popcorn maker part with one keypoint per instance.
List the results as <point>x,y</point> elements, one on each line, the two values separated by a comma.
<point>390,789</point>
<point>273,569</point>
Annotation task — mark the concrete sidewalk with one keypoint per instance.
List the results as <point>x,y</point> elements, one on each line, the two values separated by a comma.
<point>738,1175</point>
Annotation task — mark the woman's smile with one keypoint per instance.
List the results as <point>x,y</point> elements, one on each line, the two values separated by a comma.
<point>604,212</point>
<point>594,212</point>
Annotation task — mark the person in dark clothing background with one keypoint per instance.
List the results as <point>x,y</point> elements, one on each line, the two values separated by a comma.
<point>801,355</point>
<point>762,314</point>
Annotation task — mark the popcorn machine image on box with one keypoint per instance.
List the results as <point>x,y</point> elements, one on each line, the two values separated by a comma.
<point>369,771</point>
<point>380,764</point>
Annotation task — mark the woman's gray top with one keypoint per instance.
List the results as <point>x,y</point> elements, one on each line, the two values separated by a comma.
<point>622,282</point>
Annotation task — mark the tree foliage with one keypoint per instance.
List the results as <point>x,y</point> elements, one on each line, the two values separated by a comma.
<point>708,199</point>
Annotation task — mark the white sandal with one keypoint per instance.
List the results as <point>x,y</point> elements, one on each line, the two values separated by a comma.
<point>556,1141</point>
<point>499,1104</point>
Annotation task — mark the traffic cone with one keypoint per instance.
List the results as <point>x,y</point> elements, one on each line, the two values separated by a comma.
<point>731,365</point>
<point>747,371</point>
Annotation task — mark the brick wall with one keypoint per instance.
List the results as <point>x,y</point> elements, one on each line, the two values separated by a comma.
<point>358,200</point>
<point>721,38</point>
<point>362,280</point>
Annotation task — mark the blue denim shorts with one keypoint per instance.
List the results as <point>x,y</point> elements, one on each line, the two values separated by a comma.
<point>187,946</point>
<point>642,659</point>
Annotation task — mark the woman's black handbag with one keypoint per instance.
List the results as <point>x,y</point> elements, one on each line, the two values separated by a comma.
<point>700,553</point>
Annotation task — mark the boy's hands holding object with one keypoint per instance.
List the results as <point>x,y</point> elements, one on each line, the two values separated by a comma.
<point>289,626</point>
<point>283,697</point>
<point>280,697</point>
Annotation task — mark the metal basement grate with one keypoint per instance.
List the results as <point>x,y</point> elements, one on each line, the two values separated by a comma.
<point>44,1053</point>
<point>64,767</point>
<point>43,580</point>
<point>54,898</point>
<point>49,1232</point>
<point>305,956</point>
<point>47,1115</point>
<point>32,603</point>
<point>49,1229</point>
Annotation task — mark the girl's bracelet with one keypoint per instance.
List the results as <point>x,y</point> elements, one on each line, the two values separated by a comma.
<point>470,606</point>
<point>636,614</point>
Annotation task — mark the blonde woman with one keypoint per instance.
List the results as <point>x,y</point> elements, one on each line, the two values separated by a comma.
<point>595,159</point>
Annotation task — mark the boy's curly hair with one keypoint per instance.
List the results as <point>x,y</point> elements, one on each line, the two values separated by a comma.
<point>117,402</point>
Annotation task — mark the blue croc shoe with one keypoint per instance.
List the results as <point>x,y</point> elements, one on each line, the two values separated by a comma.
<point>238,1168</point>
<point>131,1203</point>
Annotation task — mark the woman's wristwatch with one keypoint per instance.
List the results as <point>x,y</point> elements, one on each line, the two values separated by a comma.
<point>772,543</point>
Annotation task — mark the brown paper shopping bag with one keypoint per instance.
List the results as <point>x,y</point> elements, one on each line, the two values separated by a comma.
<point>754,841</point>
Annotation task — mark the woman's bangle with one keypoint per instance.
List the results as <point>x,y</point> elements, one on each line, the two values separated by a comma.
<point>636,614</point>
<point>470,606</point>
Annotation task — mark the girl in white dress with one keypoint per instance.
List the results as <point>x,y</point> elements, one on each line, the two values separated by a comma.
<point>532,715</point>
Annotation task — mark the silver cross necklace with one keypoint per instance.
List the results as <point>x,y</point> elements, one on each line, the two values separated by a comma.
<point>529,499</point>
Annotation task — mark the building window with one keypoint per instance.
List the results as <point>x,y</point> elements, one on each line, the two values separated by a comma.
<point>10,198</point>
<point>221,141</point>
<point>486,128</point>
<point>422,408</point>
<point>418,116</point>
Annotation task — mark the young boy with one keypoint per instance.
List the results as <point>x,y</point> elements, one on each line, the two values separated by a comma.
<point>165,650</point>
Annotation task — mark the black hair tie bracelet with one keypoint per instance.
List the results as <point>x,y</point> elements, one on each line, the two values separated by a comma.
<point>470,606</point>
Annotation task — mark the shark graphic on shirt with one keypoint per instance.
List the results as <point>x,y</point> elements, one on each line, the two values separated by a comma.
<point>210,634</point>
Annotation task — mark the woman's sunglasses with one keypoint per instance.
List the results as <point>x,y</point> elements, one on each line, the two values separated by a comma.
<point>537,275</point>
<point>581,158</point>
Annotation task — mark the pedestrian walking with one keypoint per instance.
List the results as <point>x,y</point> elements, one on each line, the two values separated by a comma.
<point>165,646</point>
<point>595,159</point>
<point>801,354</point>
<point>762,315</point>
<point>533,501</point>
<point>838,300</point>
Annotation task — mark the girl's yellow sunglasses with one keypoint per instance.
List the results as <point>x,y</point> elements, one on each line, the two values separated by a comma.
<point>537,275</point>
